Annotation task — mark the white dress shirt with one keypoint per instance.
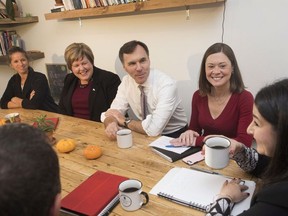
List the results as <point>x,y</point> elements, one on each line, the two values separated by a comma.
<point>165,111</point>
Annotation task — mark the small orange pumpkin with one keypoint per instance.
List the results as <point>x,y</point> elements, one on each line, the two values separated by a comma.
<point>92,152</point>
<point>65,145</point>
<point>3,121</point>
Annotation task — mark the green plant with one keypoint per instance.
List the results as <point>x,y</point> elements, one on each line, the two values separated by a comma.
<point>44,124</point>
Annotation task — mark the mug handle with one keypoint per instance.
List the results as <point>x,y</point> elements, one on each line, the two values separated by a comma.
<point>146,197</point>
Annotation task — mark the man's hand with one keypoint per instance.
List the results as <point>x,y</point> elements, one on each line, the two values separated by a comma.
<point>117,115</point>
<point>111,129</point>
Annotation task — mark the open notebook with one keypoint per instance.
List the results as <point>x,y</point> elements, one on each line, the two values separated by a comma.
<point>196,189</point>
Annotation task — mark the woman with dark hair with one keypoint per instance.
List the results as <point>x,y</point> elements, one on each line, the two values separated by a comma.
<point>269,161</point>
<point>221,106</point>
<point>28,89</point>
<point>88,91</point>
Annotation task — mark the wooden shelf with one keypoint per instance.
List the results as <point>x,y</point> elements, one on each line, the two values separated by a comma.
<point>18,21</point>
<point>32,56</point>
<point>130,8</point>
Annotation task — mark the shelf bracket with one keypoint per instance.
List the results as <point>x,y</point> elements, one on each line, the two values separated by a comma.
<point>80,22</point>
<point>187,12</point>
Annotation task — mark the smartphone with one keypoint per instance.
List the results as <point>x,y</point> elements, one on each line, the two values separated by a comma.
<point>194,158</point>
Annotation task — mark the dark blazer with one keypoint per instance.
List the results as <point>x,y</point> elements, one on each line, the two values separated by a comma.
<point>35,81</point>
<point>270,200</point>
<point>104,89</point>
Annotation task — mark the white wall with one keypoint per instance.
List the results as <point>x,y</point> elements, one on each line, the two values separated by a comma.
<point>257,31</point>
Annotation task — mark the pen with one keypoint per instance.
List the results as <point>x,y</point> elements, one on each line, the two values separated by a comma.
<point>206,171</point>
<point>216,173</point>
<point>172,146</point>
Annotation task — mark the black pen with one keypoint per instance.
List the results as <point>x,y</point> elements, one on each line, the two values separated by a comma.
<point>206,171</point>
<point>216,173</point>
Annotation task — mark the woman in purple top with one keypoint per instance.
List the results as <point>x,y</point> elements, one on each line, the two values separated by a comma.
<point>221,106</point>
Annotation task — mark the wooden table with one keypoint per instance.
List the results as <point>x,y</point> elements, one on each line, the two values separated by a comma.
<point>138,162</point>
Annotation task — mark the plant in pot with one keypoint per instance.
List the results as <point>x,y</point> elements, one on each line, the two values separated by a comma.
<point>47,126</point>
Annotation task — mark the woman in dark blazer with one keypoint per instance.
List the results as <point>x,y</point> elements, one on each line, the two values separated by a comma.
<point>88,91</point>
<point>27,88</point>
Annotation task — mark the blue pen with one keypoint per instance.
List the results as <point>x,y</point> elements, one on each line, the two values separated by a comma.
<point>172,146</point>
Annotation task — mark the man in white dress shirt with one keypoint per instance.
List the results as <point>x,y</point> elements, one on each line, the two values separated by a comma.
<point>165,113</point>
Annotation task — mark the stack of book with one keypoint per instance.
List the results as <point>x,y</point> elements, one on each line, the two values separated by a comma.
<point>9,38</point>
<point>81,4</point>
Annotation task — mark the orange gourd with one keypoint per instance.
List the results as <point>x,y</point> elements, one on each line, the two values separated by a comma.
<point>92,152</point>
<point>3,121</point>
<point>66,145</point>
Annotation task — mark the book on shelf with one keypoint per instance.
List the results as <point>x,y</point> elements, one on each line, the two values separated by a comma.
<point>163,148</point>
<point>197,189</point>
<point>57,9</point>
<point>97,195</point>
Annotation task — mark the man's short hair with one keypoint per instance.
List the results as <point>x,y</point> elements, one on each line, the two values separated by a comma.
<point>29,171</point>
<point>129,47</point>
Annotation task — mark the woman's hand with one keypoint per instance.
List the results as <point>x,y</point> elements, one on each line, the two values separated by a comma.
<point>234,190</point>
<point>17,101</point>
<point>235,147</point>
<point>188,138</point>
<point>32,94</point>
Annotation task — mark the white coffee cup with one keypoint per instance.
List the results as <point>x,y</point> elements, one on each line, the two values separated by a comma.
<point>124,138</point>
<point>13,117</point>
<point>131,195</point>
<point>217,152</point>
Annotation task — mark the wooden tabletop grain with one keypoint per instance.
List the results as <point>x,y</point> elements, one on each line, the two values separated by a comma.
<point>137,162</point>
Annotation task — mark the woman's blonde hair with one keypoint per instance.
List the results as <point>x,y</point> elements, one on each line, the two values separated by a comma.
<point>77,51</point>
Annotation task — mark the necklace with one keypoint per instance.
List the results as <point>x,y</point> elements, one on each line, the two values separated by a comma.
<point>83,85</point>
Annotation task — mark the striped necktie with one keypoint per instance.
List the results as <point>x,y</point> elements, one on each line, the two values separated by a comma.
<point>143,102</point>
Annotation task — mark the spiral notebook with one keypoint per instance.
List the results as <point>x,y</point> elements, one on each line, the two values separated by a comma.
<point>196,189</point>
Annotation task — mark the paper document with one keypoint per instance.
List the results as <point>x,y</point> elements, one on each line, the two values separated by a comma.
<point>164,141</point>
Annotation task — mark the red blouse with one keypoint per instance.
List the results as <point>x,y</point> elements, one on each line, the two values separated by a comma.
<point>80,101</point>
<point>232,122</point>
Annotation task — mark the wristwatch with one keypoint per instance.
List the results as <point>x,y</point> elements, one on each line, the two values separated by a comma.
<point>126,122</point>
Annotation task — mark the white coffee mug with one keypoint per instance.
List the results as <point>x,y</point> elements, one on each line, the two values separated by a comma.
<point>217,152</point>
<point>124,138</point>
<point>13,117</point>
<point>131,195</point>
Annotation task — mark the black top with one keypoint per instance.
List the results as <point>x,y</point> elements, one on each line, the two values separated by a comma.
<point>35,81</point>
<point>103,91</point>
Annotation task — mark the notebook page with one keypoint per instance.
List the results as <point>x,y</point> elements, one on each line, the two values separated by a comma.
<point>199,187</point>
<point>164,141</point>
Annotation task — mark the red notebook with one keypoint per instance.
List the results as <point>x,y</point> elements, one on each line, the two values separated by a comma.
<point>93,195</point>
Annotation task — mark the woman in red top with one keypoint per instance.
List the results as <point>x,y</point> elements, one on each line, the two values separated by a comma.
<point>221,106</point>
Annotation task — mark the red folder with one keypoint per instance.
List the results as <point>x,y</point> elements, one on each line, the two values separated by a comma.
<point>93,195</point>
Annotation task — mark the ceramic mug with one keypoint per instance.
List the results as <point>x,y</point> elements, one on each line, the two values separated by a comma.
<point>13,117</point>
<point>124,138</point>
<point>131,195</point>
<point>217,152</point>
